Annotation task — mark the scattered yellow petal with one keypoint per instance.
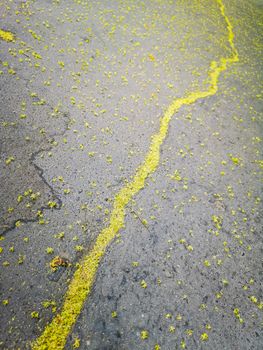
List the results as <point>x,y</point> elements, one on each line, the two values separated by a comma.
<point>204,337</point>
<point>143,284</point>
<point>144,335</point>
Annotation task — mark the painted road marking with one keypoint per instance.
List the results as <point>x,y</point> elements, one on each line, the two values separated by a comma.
<point>55,334</point>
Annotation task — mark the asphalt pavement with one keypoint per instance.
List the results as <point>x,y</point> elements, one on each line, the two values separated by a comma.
<point>131,175</point>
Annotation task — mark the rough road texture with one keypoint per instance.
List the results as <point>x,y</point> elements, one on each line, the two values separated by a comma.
<point>83,87</point>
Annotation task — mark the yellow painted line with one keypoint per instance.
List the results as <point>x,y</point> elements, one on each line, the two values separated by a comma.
<point>6,36</point>
<point>55,335</point>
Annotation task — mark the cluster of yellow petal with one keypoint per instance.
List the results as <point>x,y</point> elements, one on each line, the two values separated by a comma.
<point>6,36</point>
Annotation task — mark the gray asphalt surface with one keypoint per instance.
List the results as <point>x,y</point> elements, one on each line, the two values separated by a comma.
<point>83,87</point>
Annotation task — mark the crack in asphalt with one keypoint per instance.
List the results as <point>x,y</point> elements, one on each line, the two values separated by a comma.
<point>40,172</point>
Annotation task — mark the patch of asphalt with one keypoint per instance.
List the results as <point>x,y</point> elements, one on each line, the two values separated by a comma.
<point>188,260</point>
<point>203,276</point>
